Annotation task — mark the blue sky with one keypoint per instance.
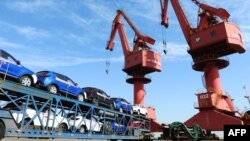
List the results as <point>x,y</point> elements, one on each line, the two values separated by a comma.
<point>70,37</point>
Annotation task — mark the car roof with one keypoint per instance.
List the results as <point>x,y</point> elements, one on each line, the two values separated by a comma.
<point>93,88</point>
<point>52,72</point>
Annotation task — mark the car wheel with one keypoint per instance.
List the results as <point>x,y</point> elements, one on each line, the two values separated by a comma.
<point>2,130</point>
<point>120,109</point>
<point>62,127</point>
<point>26,81</point>
<point>111,106</point>
<point>52,89</point>
<point>82,129</point>
<point>25,123</point>
<point>80,97</point>
<point>107,127</point>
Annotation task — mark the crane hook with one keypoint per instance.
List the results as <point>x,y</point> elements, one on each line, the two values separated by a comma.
<point>107,63</point>
<point>107,66</point>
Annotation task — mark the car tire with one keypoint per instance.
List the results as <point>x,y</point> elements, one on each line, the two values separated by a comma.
<point>120,109</point>
<point>108,128</point>
<point>25,123</point>
<point>111,106</point>
<point>63,127</point>
<point>2,130</point>
<point>82,129</point>
<point>80,97</point>
<point>52,89</point>
<point>26,81</point>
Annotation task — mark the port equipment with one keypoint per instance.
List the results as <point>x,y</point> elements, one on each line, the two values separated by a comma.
<point>139,60</point>
<point>16,99</point>
<point>179,131</point>
<point>213,38</point>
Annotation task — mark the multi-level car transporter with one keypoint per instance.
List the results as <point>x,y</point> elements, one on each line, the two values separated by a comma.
<point>16,121</point>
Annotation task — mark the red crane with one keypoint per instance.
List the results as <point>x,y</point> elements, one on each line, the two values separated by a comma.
<point>213,38</point>
<point>139,60</point>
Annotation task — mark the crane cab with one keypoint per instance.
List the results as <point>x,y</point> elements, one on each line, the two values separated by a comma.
<point>143,61</point>
<point>221,39</point>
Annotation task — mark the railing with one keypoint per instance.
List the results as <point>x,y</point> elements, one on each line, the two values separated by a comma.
<point>130,77</point>
<point>196,105</point>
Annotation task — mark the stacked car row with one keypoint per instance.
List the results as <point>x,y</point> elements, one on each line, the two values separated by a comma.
<point>76,122</point>
<point>57,83</point>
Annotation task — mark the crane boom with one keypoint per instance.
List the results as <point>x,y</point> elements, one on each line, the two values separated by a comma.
<point>220,12</point>
<point>183,21</point>
<point>164,16</point>
<point>141,40</point>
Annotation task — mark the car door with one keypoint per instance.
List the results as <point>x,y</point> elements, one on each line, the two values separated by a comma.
<point>3,63</point>
<point>101,97</point>
<point>124,104</point>
<point>14,66</point>
<point>95,125</point>
<point>62,83</point>
<point>73,89</point>
<point>10,64</point>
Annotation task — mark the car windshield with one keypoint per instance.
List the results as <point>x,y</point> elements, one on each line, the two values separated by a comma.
<point>7,56</point>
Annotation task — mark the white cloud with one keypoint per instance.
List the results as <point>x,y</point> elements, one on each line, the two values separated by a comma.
<point>7,44</point>
<point>31,6</point>
<point>77,19</point>
<point>28,31</point>
<point>31,32</point>
<point>78,38</point>
<point>174,49</point>
<point>43,61</point>
<point>103,10</point>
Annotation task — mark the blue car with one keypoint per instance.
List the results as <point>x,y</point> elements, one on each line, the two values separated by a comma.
<point>122,105</point>
<point>57,83</point>
<point>12,69</point>
<point>110,126</point>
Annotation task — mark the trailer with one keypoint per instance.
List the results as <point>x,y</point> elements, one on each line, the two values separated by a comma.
<point>28,112</point>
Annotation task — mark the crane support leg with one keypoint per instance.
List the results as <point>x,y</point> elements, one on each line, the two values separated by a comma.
<point>212,78</point>
<point>139,92</point>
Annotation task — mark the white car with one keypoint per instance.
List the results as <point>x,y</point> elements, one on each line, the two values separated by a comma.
<point>140,110</point>
<point>83,124</point>
<point>60,122</point>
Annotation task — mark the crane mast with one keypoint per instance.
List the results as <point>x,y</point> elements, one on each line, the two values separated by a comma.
<point>213,38</point>
<point>139,60</point>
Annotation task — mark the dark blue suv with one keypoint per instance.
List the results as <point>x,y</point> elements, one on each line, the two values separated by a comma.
<point>12,69</point>
<point>57,83</point>
<point>122,105</point>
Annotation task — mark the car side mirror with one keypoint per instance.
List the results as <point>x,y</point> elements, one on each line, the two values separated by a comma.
<point>18,62</point>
